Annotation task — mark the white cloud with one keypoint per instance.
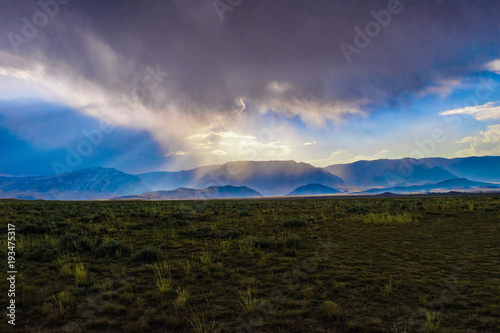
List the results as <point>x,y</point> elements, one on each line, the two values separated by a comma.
<point>483,143</point>
<point>278,87</point>
<point>312,111</point>
<point>443,88</point>
<point>378,155</point>
<point>290,101</point>
<point>309,143</point>
<point>176,153</point>
<point>493,66</point>
<point>237,146</point>
<point>488,111</point>
<point>208,139</point>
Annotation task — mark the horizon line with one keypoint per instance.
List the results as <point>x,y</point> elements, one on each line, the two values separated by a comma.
<point>242,161</point>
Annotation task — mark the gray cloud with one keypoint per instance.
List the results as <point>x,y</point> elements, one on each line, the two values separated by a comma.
<point>212,64</point>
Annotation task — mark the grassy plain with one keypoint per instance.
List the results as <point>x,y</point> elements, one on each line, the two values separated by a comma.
<point>315,265</point>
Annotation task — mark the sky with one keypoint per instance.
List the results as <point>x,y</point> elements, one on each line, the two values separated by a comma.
<point>176,84</point>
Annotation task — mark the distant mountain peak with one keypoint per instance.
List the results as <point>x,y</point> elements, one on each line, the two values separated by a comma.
<point>183,193</point>
<point>443,186</point>
<point>313,189</point>
<point>271,178</point>
<point>90,183</point>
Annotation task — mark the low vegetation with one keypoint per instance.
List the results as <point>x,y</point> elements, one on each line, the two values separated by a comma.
<point>328,265</point>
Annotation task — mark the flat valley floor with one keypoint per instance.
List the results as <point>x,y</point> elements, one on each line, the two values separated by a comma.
<point>416,264</point>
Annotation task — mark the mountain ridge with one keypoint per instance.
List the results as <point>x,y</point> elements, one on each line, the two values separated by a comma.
<point>91,183</point>
<point>182,193</point>
<point>446,185</point>
<point>410,171</point>
<point>268,178</point>
<point>313,189</point>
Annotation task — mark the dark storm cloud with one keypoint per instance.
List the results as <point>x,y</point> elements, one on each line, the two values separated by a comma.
<point>212,63</point>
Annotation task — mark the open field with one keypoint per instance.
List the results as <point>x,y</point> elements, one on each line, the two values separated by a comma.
<point>333,265</point>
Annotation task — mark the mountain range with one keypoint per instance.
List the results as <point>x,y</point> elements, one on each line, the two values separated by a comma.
<point>212,192</point>
<point>456,184</point>
<point>410,171</point>
<point>267,178</point>
<point>313,189</point>
<point>93,183</point>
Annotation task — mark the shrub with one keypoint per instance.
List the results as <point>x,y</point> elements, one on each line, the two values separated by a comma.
<point>74,242</point>
<point>182,297</point>
<point>265,242</point>
<point>288,240</point>
<point>331,310</point>
<point>358,210</point>
<point>114,310</point>
<point>387,218</point>
<point>233,233</point>
<point>183,214</point>
<point>244,213</point>
<point>205,257</point>
<point>33,229</point>
<point>81,274</point>
<point>43,254</point>
<point>110,248</point>
<point>103,217</point>
<point>97,324</point>
<point>294,223</point>
<point>163,280</point>
<point>200,326</point>
<point>291,240</point>
<point>432,321</point>
<point>248,301</point>
<point>204,232</point>
<point>181,223</point>
<point>145,255</point>
<point>289,252</point>
<point>224,246</point>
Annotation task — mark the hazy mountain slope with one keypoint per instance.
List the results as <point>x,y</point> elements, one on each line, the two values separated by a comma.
<point>485,168</point>
<point>447,185</point>
<point>170,180</point>
<point>266,177</point>
<point>313,189</point>
<point>388,172</point>
<point>93,183</point>
<point>212,192</point>
<point>269,177</point>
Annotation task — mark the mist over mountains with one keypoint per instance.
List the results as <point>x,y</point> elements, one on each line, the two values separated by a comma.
<point>409,171</point>
<point>212,192</point>
<point>313,189</point>
<point>246,179</point>
<point>269,178</point>
<point>456,184</point>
